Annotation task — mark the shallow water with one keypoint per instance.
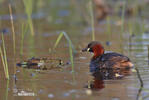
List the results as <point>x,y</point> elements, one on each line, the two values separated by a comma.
<point>61,83</point>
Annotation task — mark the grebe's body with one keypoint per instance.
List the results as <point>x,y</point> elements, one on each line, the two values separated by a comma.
<point>110,65</point>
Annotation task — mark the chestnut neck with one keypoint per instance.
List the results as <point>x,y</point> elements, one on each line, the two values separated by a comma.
<point>98,50</point>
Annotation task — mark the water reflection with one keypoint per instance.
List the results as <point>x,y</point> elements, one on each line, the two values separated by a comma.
<point>107,74</point>
<point>98,82</point>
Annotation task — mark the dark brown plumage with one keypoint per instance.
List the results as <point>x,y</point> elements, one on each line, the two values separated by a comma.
<point>110,65</point>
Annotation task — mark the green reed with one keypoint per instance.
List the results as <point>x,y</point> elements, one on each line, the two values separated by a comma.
<point>28,9</point>
<point>130,28</point>
<point>92,19</point>
<point>71,47</point>
<point>123,17</point>
<point>4,58</point>
<point>6,92</point>
<point>58,39</point>
<point>3,61</point>
<point>31,43</point>
<point>122,25</point>
<point>12,28</point>
<point>24,30</point>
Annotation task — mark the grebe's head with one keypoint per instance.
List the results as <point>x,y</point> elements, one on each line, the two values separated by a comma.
<point>94,47</point>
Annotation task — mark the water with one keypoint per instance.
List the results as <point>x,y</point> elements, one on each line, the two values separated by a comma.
<point>61,83</point>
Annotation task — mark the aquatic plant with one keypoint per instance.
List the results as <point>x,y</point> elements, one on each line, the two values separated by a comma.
<point>71,47</point>
<point>6,91</point>
<point>58,39</point>
<point>130,29</point>
<point>31,43</point>
<point>3,61</point>
<point>28,9</point>
<point>28,4</point>
<point>24,30</point>
<point>123,17</point>
<point>12,28</point>
<point>4,58</point>
<point>122,25</point>
<point>92,19</point>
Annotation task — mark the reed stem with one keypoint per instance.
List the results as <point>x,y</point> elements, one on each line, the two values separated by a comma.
<point>5,58</point>
<point>24,30</point>
<point>6,92</point>
<point>28,9</point>
<point>92,19</point>
<point>3,61</point>
<point>12,28</point>
<point>71,48</point>
<point>123,17</point>
<point>122,26</point>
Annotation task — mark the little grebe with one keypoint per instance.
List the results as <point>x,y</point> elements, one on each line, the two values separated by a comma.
<point>110,65</point>
<point>40,63</point>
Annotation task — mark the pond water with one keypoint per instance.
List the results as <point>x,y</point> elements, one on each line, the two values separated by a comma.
<point>60,83</point>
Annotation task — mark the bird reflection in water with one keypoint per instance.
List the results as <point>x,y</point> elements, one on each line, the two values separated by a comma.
<point>107,74</point>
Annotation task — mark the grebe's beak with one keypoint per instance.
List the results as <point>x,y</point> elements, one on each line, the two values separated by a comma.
<point>86,50</point>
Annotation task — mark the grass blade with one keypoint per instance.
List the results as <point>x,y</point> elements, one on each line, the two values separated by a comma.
<point>123,17</point>
<point>71,56</point>
<point>12,28</point>
<point>71,47</point>
<point>28,9</point>
<point>24,30</point>
<point>92,19</point>
<point>122,26</point>
<point>3,62</point>
<point>5,58</point>
<point>6,91</point>
<point>69,41</point>
<point>67,38</point>
<point>58,39</point>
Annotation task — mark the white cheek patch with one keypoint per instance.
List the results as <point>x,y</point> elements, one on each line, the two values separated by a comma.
<point>88,49</point>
